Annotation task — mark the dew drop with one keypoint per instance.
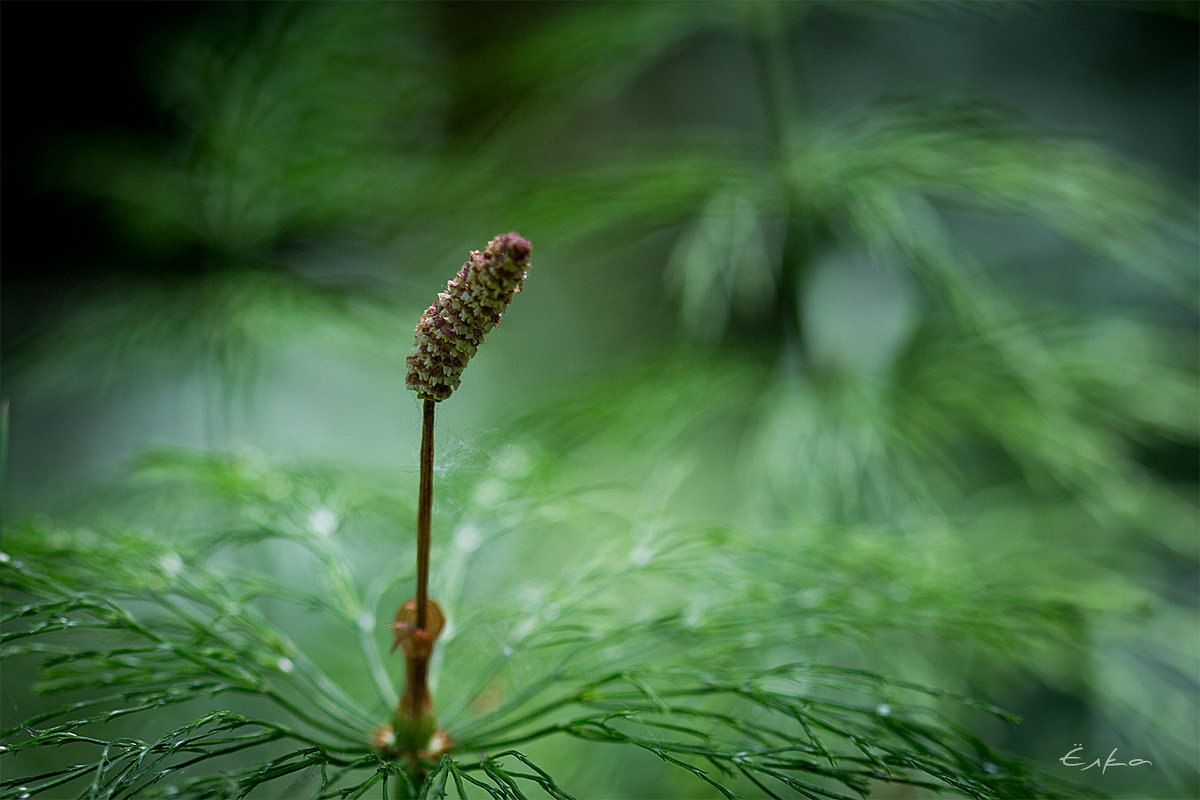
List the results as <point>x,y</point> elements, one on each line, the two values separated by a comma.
<point>883,709</point>
<point>990,768</point>
<point>366,621</point>
<point>285,664</point>
<point>171,564</point>
<point>4,558</point>
<point>322,522</point>
<point>640,556</point>
<point>507,651</point>
<point>467,538</point>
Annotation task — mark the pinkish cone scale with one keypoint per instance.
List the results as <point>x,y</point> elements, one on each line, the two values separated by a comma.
<point>451,330</point>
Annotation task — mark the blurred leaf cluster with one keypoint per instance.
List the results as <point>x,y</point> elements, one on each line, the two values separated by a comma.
<point>907,386</point>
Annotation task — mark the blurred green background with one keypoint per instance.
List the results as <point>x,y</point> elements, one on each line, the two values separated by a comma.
<point>908,290</point>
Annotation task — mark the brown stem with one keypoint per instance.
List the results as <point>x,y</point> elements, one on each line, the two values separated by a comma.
<point>416,703</point>
<point>413,732</point>
<point>424,509</point>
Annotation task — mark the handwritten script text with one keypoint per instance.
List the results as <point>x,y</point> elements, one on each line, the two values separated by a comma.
<point>1072,760</point>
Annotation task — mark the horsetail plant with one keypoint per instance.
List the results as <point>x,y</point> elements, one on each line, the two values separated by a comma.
<point>447,336</point>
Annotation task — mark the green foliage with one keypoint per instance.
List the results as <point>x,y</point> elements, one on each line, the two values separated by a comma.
<point>905,415</point>
<point>131,623</point>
